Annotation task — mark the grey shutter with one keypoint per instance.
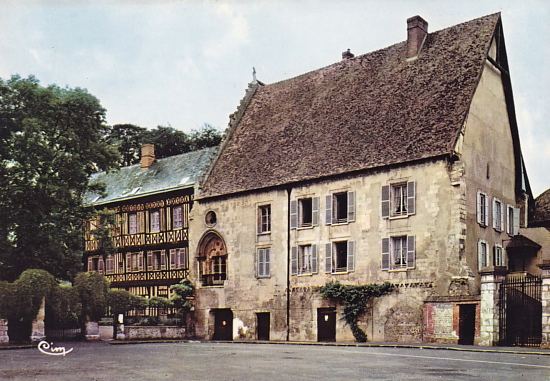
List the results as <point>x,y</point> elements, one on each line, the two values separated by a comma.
<point>479,221</point>
<point>314,260</point>
<point>351,206</point>
<point>385,253</point>
<point>267,255</point>
<point>479,255</point>
<point>495,220</point>
<point>385,205</point>
<point>411,251</point>
<point>173,259</point>
<point>515,229</point>
<point>293,214</point>
<point>328,209</point>
<point>328,257</point>
<point>411,197</point>
<point>149,260</point>
<point>351,256</point>
<point>294,260</point>
<point>487,202</point>
<point>259,262</point>
<point>258,220</point>
<point>315,202</point>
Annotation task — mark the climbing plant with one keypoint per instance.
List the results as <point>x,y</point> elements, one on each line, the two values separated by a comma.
<point>355,299</point>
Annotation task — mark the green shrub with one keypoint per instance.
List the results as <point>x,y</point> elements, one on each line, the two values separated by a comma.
<point>7,291</point>
<point>121,301</point>
<point>29,290</point>
<point>92,289</point>
<point>64,308</point>
<point>159,302</point>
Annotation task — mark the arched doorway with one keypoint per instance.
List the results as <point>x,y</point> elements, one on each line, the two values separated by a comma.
<point>212,258</point>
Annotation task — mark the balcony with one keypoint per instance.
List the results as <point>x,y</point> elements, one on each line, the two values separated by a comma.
<point>148,276</point>
<point>141,239</point>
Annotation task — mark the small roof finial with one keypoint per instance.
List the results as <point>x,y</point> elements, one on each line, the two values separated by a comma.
<point>254,74</point>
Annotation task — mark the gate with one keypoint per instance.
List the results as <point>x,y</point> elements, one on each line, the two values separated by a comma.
<point>520,305</point>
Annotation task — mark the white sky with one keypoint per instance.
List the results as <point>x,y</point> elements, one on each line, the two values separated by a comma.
<point>183,63</point>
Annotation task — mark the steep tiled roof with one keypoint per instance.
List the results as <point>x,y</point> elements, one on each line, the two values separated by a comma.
<point>179,171</point>
<point>365,112</point>
<point>542,207</point>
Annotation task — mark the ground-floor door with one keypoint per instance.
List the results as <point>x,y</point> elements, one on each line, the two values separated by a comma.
<point>326,324</point>
<point>223,324</point>
<point>466,323</point>
<point>262,327</point>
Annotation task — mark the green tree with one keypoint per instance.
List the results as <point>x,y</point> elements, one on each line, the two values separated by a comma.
<point>93,290</point>
<point>182,297</point>
<point>128,139</point>
<point>51,140</point>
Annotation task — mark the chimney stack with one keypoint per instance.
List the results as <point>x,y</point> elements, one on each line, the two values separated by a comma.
<point>147,155</point>
<point>347,55</point>
<point>417,29</point>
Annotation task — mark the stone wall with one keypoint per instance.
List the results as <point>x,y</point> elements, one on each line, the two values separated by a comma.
<point>135,332</point>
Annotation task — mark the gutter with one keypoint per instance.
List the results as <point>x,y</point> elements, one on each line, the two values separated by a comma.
<point>288,192</point>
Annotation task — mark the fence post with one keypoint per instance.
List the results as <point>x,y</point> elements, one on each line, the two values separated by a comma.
<point>4,338</point>
<point>545,298</point>
<point>491,279</point>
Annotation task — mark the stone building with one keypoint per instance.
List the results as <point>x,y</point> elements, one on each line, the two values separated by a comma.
<point>401,165</point>
<point>150,202</point>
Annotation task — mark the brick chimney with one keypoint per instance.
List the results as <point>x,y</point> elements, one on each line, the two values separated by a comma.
<point>347,55</point>
<point>147,155</point>
<point>417,29</point>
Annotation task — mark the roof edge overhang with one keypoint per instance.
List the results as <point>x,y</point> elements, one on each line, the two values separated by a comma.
<point>120,199</point>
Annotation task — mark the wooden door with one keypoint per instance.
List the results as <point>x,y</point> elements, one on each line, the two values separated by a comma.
<point>466,324</point>
<point>262,330</point>
<point>326,324</point>
<point>223,324</point>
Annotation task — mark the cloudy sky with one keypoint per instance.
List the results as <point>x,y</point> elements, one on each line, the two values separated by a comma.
<point>183,63</point>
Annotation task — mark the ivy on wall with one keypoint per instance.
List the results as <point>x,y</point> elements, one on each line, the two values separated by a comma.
<point>355,299</point>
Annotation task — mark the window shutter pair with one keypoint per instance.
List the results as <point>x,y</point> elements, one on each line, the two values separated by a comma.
<point>329,210</point>
<point>100,265</point>
<point>411,253</point>
<point>329,260</point>
<point>263,262</point>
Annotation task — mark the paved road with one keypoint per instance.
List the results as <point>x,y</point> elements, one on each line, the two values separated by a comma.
<point>225,361</point>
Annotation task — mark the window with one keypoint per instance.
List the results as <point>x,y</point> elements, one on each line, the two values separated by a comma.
<point>263,262</point>
<point>398,253</point>
<point>304,212</point>
<point>212,260</point>
<point>304,259</point>
<point>305,209</point>
<point>177,217</point>
<point>498,215</point>
<point>482,209</point>
<point>96,264</point>
<point>211,219</point>
<point>156,260</point>
<point>498,255</point>
<point>134,262</point>
<point>512,220</point>
<point>340,207</point>
<point>483,260</point>
<point>178,258</point>
<point>109,265</point>
<point>264,219</point>
<point>340,257</point>
<point>398,199</point>
<point>132,223</point>
<point>155,221</point>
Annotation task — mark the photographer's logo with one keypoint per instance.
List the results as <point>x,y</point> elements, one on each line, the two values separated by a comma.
<point>49,349</point>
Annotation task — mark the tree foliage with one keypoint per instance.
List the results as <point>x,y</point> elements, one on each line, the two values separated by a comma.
<point>183,293</point>
<point>51,140</point>
<point>93,291</point>
<point>168,141</point>
<point>121,301</point>
<point>64,307</point>
<point>355,300</point>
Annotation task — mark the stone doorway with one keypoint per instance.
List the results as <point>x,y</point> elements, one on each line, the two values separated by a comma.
<point>223,324</point>
<point>326,324</point>
<point>466,324</point>
<point>263,323</point>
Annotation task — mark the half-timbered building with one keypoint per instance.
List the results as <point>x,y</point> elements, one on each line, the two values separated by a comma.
<point>149,205</point>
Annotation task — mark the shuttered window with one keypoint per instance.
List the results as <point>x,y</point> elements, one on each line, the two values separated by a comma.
<point>263,262</point>
<point>340,208</point>
<point>483,260</point>
<point>340,256</point>
<point>498,215</point>
<point>398,253</point>
<point>398,199</point>
<point>132,223</point>
<point>264,219</point>
<point>482,209</point>
<point>178,258</point>
<point>304,259</point>
<point>177,217</point>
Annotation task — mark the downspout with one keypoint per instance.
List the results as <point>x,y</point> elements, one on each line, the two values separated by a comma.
<point>288,192</point>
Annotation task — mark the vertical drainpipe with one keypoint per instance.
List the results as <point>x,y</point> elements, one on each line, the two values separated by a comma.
<point>288,192</point>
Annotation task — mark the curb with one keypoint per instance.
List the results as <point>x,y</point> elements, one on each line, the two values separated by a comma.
<point>12,347</point>
<point>357,345</point>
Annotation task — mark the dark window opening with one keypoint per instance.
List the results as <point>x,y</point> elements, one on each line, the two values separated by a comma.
<point>306,212</point>
<point>340,201</point>
<point>340,256</point>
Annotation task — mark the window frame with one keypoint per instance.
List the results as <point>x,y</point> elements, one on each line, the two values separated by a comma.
<point>302,270</point>
<point>301,224</point>
<point>263,262</point>
<point>482,209</point>
<point>498,219</point>
<point>498,248</point>
<point>335,207</point>
<point>151,214</point>
<point>403,252</point>
<point>180,226</point>
<point>403,199</point>
<point>130,230</point>
<point>261,224</point>
<point>480,256</point>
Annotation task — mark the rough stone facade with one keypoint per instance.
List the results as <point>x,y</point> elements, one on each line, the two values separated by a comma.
<point>545,267</point>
